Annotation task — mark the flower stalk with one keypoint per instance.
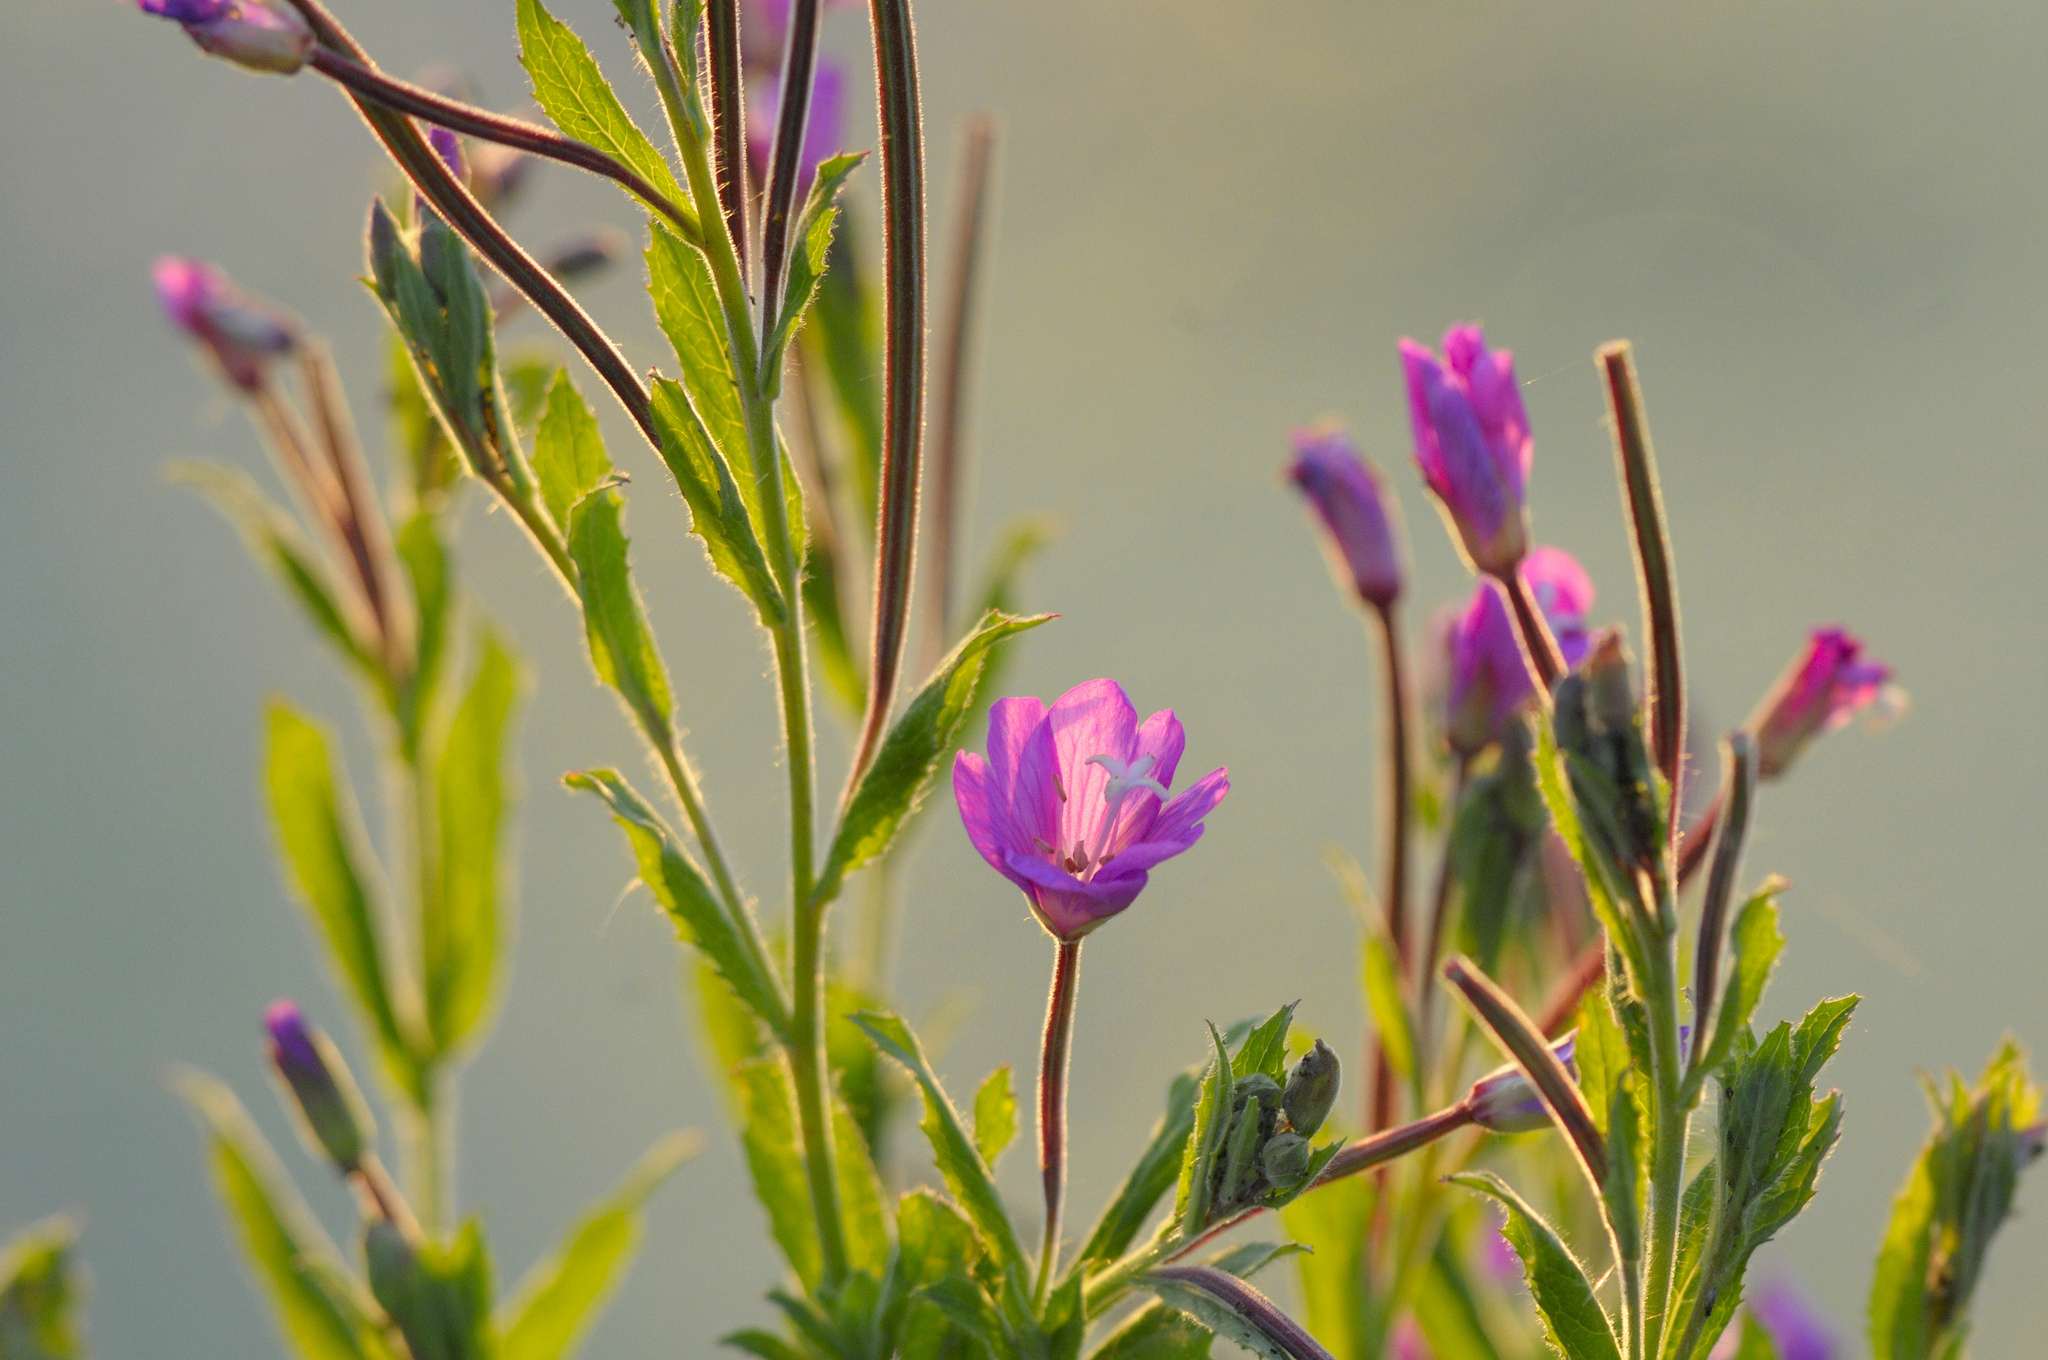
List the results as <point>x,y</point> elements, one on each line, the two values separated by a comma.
<point>1054,1054</point>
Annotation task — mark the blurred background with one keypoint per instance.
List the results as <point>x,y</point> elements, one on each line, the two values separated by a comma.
<point>1822,226</point>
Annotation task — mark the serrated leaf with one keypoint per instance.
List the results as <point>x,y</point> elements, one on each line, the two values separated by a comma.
<point>718,514</point>
<point>769,1136</point>
<point>903,770</point>
<point>1753,952</point>
<point>561,1295</point>
<point>568,452</point>
<point>1601,1054</point>
<point>1384,997</point>
<point>669,872</point>
<point>318,829</point>
<point>622,645</point>
<point>319,1314</point>
<point>575,94</point>
<point>860,1196</point>
<point>1572,1320</point>
<point>966,1174</point>
<point>995,1115</point>
<point>276,544</point>
<point>687,307</point>
<point>1157,1168</point>
<point>1205,1143</point>
<point>459,928</point>
<point>806,264</point>
<point>1265,1049</point>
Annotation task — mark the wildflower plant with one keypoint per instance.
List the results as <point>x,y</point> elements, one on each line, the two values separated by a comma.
<point>1582,918</point>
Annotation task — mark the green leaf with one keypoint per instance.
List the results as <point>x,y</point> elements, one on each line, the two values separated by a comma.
<point>766,1345</point>
<point>1753,951</point>
<point>1756,1343</point>
<point>621,644</point>
<point>995,1115</point>
<point>1447,1312</point>
<point>1205,1142</point>
<point>427,572</point>
<point>1621,1192</point>
<point>667,869</point>
<point>1383,992</point>
<point>933,1241</point>
<point>1158,1167</point>
<point>1572,1320</point>
<point>846,345</point>
<point>40,1294</point>
<point>439,1294</point>
<point>319,830</point>
<point>966,1174</point>
<point>274,541</point>
<point>459,929</point>
<point>1264,1050</point>
<point>317,1309</point>
<point>903,770</point>
<point>687,307</point>
<point>577,97</point>
<point>561,1295</point>
<point>568,453</point>
<point>768,1134</point>
<point>806,263</point>
<point>1601,1054</point>
<point>1557,799</point>
<point>1495,826</point>
<point>718,514</point>
<point>1335,1224</point>
<point>860,1195</point>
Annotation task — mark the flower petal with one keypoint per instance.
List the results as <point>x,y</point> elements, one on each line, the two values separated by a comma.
<point>1091,719</point>
<point>1181,818</point>
<point>1068,907</point>
<point>982,810</point>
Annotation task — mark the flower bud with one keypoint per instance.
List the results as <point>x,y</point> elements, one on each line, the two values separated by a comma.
<point>1473,443</point>
<point>1350,498</point>
<point>1503,1101</point>
<point>243,334</point>
<point>1312,1089</point>
<point>1598,721</point>
<point>1825,686</point>
<point>1489,680</point>
<point>1285,1160</point>
<point>256,34</point>
<point>333,1118</point>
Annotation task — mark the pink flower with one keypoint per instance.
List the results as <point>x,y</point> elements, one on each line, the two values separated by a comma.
<point>1407,1342</point>
<point>1350,498</point>
<point>1830,683</point>
<point>821,129</point>
<point>244,336</point>
<point>1795,1327</point>
<point>254,33</point>
<point>764,31</point>
<point>1489,678</point>
<point>1072,804</point>
<point>1472,440</point>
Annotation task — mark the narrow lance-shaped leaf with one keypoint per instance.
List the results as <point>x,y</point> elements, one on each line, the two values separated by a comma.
<point>995,1115</point>
<point>427,572</point>
<point>903,770</point>
<point>669,872</point>
<point>686,306</point>
<point>460,929</point>
<point>861,1214</point>
<point>568,454</point>
<point>41,1294</point>
<point>622,645</point>
<point>1754,945</point>
<point>562,1295</point>
<point>718,514</point>
<point>317,827</point>
<point>1572,1320</point>
<point>1389,1010</point>
<point>768,1134</point>
<point>575,94</point>
<point>1212,1120</point>
<point>807,262</point>
<point>301,1274</point>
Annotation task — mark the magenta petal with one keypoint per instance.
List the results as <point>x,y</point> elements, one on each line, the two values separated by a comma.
<point>1011,725</point>
<point>1181,818</point>
<point>1418,369</point>
<point>980,809</point>
<point>1161,737</point>
<point>1069,907</point>
<point>1091,719</point>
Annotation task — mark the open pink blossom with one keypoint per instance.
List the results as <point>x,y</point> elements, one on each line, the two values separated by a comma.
<point>1825,686</point>
<point>1489,679</point>
<point>1073,806</point>
<point>1473,443</point>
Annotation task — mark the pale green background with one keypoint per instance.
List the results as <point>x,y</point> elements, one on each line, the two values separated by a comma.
<point>1822,225</point>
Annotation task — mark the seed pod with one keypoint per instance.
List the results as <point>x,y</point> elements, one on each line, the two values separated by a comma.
<point>1312,1090</point>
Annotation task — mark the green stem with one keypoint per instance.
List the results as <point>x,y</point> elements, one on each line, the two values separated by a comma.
<point>682,777</point>
<point>1667,1150</point>
<point>425,1167</point>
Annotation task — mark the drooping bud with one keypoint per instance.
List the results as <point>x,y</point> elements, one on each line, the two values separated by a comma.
<point>332,1116</point>
<point>1503,1101</point>
<point>1349,496</point>
<point>1312,1089</point>
<point>256,34</point>
<point>1473,443</point>
<point>1825,686</point>
<point>244,335</point>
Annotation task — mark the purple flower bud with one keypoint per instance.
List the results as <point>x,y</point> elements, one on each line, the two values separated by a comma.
<point>1796,1329</point>
<point>333,1118</point>
<point>256,34</point>
<point>1503,1101</point>
<point>1349,496</point>
<point>1828,684</point>
<point>1489,680</point>
<point>448,147</point>
<point>1472,440</point>
<point>821,131</point>
<point>243,335</point>
<point>1072,803</point>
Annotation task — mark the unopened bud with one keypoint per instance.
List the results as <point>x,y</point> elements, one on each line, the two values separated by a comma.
<point>1285,1160</point>
<point>1504,1101</point>
<point>333,1118</point>
<point>255,34</point>
<point>1826,685</point>
<point>243,334</point>
<point>1350,498</point>
<point>1312,1089</point>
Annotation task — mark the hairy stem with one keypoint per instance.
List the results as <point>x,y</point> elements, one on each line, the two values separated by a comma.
<point>728,116</point>
<point>1537,640</point>
<point>1667,1149</point>
<point>1052,1102</point>
<point>1394,842</point>
<point>793,116</point>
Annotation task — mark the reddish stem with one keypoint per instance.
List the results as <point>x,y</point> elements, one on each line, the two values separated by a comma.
<point>1052,1097</point>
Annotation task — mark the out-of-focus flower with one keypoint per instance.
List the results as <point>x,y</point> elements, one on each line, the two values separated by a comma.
<point>1795,1327</point>
<point>448,147</point>
<point>251,33</point>
<point>1473,443</point>
<point>1503,1101</point>
<point>1489,678</point>
<point>497,173</point>
<point>1825,686</point>
<point>1498,1256</point>
<point>1351,499</point>
<point>244,335</point>
<point>1072,803</point>
<point>332,1108</point>
<point>764,30</point>
<point>1408,1343</point>
<point>821,131</point>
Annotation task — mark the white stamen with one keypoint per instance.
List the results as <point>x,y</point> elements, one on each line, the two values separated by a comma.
<point>1126,779</point>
